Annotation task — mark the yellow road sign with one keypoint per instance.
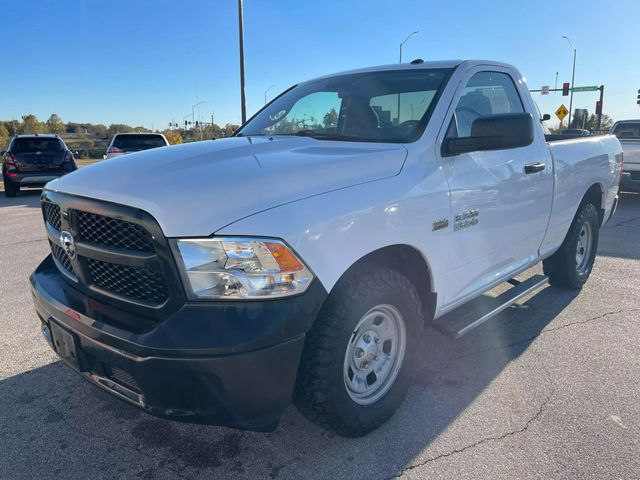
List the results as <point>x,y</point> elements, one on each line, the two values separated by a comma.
<point>562,112</point>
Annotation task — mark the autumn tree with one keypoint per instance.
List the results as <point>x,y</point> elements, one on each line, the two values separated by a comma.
<point>4,136</point>
<point>55,125</point>
<point>173,137</point>
<point>30,124</point>
<point>229,129</point>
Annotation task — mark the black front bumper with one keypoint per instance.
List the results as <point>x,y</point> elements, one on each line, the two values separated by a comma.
<point>225,363</point>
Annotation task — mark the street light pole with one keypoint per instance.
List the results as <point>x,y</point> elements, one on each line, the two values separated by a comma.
<point>243,107</point>
<point>265,93</point>
<point>193,120</point>
<point>405,41</point>
<point>573,78</point>
<point>401,44</point>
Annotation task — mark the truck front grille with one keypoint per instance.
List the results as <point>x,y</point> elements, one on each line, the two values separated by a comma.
<point>121,256</point>
<point>61,257</point>
<point>137,283</point>
<point>114,232</point>
<point>52,214</point>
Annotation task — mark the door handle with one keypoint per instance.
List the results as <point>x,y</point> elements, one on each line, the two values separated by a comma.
<point>534,167</point>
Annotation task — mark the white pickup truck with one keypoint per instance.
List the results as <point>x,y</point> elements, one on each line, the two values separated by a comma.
<point>628,132</point>
<point>304,257</point>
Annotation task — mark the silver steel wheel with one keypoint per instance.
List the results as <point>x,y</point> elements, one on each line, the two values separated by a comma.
<point>374,354</point>
<point>583,250</point>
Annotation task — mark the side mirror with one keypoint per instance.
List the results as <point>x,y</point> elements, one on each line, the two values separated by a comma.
<point>545,117</point>
<point>493,132</point>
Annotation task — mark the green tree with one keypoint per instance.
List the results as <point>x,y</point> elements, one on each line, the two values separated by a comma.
<point>118,128</point>
<point>330,119</point>
<point>605,123</point>
<point>30,124</point>
<point>99,130</point>
<point>55,125</point>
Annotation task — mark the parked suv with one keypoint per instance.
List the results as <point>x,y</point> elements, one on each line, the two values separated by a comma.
<point>135,142</point>
<point>33,160</point>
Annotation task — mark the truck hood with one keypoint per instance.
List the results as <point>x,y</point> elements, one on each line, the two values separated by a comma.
<point>198,188</point>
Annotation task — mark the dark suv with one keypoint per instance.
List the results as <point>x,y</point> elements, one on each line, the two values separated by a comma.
<point>33,160</point>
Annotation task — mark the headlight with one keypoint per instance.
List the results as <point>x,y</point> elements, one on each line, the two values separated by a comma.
<point>236,268</point>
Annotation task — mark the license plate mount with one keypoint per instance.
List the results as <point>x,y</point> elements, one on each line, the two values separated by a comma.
<point>65,344</point>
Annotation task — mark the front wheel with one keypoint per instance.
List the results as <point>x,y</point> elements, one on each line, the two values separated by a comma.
<point>571,265</point>
<point>357,361</point>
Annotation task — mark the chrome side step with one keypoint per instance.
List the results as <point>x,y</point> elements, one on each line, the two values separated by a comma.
<point>474,313</point>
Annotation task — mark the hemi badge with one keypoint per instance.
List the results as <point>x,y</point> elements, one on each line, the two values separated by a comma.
<point>440,224</point>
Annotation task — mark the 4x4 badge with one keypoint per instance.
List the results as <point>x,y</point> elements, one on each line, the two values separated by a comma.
<point>68,245</point>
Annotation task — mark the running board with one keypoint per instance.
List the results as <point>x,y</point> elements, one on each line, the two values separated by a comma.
<point>474,313</point>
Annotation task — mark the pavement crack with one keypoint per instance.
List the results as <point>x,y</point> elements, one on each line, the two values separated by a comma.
<point>547,330</point>
<point>582,322</point>
<point>494,438</point>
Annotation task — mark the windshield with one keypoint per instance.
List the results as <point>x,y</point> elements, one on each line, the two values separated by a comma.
<point>390,106</point>
<point>35,144</point>
<point>627,130</point>
<point>138,142</point>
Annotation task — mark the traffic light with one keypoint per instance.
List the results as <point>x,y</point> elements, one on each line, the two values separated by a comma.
<point>565,89</point>
<point>638,102</point>
<point>196,123</point>
<point>598,107</point>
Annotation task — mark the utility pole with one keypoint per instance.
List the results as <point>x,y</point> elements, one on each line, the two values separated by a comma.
<point>243,107</point>
<point>556,87</point>
<point>573,79</point>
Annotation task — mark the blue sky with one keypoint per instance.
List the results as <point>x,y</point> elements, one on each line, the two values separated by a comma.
<point>133,61</point>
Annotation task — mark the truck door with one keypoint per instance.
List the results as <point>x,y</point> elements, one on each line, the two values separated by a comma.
<point>500,199</point>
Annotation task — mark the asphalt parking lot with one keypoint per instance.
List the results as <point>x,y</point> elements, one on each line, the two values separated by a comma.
<point>549,389</point>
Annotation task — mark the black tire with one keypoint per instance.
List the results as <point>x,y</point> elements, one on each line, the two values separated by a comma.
<point>10,190</point>
<point>562,267</point>
<point>321,394</point>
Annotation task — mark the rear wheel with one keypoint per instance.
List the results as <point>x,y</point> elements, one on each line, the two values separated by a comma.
<point>357,362</point>
<point>10,190</point>
<point>571,265</point>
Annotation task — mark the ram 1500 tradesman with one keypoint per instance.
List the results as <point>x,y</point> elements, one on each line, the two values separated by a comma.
<point>303,258</point>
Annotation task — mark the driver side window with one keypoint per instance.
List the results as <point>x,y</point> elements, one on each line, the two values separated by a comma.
<point>486,93</point>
